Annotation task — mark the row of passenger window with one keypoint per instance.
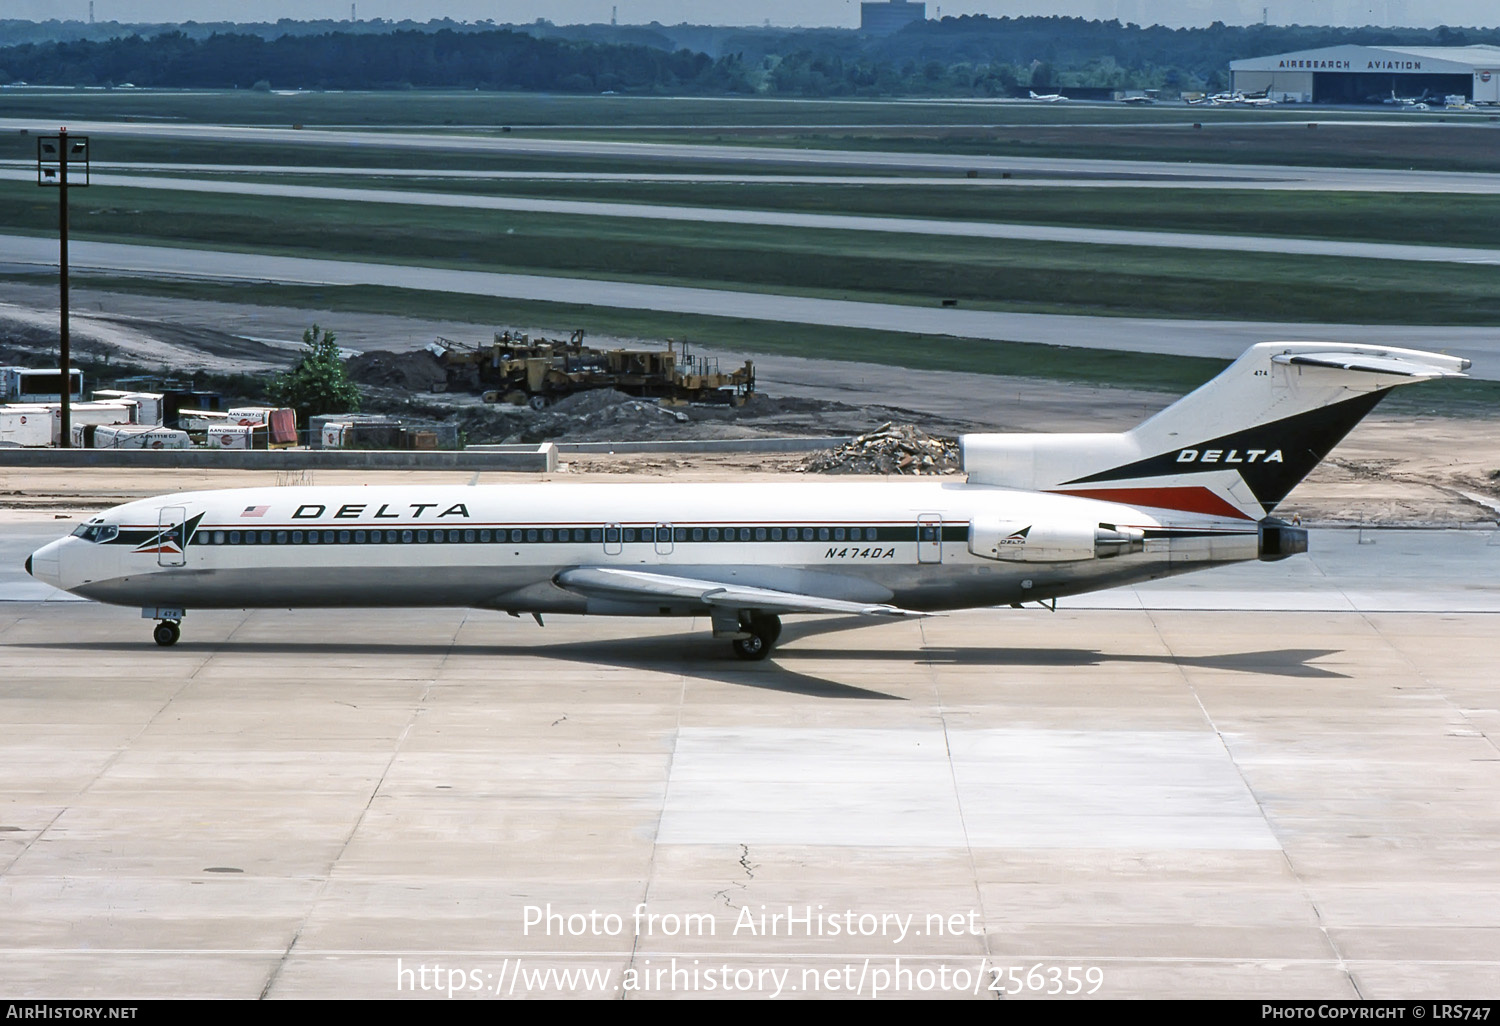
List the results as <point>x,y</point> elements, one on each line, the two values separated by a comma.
<point>607,535</point>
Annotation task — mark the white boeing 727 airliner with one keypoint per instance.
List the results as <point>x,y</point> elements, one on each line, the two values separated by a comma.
<point>1040,516</point>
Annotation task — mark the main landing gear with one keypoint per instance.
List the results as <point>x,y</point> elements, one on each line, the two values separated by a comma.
<point>168,624</point>
<point>763,631</point>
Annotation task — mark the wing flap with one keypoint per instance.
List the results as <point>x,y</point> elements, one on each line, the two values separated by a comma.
<point>643,586</point>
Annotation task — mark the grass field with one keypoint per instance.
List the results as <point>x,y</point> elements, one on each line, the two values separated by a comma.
<point>1457,143</point>
<point>878,267</point>
<point>490,109</point>
<point>270,156</point>
<point>1396,139</point>
<point>874,267</point>
<point>1420,218</point>
<point>1167,374</point>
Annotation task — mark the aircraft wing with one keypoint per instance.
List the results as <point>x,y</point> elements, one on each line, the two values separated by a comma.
<point>642,586</point>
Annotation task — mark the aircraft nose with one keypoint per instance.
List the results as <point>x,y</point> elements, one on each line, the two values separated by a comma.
<point>43,564</point>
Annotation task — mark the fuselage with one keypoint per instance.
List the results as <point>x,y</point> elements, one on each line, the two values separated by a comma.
<point>912,544</point>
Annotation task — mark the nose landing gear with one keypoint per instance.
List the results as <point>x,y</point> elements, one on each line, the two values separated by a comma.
<point>169,626</point>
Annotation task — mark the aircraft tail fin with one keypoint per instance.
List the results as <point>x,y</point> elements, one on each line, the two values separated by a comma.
<point>1233,448</point>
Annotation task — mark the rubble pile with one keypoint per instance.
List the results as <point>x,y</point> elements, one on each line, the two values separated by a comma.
<point>890,449</point>
<point>583,404</point>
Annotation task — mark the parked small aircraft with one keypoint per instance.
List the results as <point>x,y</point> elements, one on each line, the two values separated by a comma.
<point>1408,101</point>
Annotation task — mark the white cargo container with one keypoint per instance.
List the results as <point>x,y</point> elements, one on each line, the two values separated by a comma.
<point>237,436</point>
<point>202,420</point>
<point>1487,84</point>
<point>247,415</point>
<point>335,435</point>
<point>139,436</point>
<point>148,403</point>
<point>30,426</point>
<point>91,413</point>
<point>84,433</point>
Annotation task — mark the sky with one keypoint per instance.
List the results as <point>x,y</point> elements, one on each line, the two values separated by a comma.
<point>838,13</point>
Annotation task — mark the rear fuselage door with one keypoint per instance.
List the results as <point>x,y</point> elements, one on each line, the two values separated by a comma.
<point>663,539</point>
<point>930,538</point>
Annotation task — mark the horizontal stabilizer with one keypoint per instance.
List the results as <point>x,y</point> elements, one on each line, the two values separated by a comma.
<point>1408,364</point>
<point>641,586</point>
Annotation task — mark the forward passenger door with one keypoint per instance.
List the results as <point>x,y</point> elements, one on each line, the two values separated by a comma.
<point>171,544</point>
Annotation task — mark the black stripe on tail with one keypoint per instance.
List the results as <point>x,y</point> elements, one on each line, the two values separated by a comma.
<point>1272,458</point>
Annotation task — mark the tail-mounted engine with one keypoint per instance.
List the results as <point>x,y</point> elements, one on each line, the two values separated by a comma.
<point>1052,543</point>
<point>1279,539</point>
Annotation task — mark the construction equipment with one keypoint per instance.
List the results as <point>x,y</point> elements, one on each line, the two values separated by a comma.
<point>520,370</point>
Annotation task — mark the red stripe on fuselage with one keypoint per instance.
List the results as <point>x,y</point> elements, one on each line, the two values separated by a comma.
<point>1195,499</point>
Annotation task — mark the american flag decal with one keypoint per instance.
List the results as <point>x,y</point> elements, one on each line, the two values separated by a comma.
<point>255,511</point>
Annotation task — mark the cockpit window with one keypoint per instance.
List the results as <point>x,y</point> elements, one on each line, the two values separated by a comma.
<point>98,533</point>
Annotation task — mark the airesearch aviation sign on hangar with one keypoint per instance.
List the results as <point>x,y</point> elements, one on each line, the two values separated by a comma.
<point>1372,74</point>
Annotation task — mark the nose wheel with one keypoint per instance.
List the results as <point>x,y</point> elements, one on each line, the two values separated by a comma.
<point>764,630</point>
<point>168,623</point>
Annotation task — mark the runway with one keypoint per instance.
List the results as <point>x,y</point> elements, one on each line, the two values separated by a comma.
<point>1185,176</point>
<point>1224,339</point>
<point>1348,250</point>
<point>1170,801</point>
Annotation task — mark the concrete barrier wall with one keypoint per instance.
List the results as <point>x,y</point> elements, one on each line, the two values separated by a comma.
<point>535,458</point>
<point>791,444</point>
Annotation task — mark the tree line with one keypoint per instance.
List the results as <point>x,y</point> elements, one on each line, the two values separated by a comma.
<point>337,60</point>
<point>969,55</point>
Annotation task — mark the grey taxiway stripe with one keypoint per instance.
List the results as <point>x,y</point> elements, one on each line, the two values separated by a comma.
<point>830,222</point>
<point>1222,339</point>
<point>1185,177</point>
<point>527,144</point>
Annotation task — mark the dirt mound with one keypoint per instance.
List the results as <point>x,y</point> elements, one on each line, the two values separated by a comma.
<point>889,449</point>
<point>483,424</point>
<point>602,415</point>
<point>416,371</point>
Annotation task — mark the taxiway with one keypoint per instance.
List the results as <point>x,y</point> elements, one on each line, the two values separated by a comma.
<point>1198,792</point>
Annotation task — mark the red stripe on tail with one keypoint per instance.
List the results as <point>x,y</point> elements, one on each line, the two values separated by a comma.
<point>1186,500</point>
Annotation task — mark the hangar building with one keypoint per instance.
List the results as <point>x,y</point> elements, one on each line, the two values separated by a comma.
<point>1372,74</point>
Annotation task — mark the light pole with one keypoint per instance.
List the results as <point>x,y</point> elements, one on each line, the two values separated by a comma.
<point>53,154</point>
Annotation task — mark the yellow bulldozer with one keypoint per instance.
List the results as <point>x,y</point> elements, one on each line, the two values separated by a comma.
<point>523,371</point>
